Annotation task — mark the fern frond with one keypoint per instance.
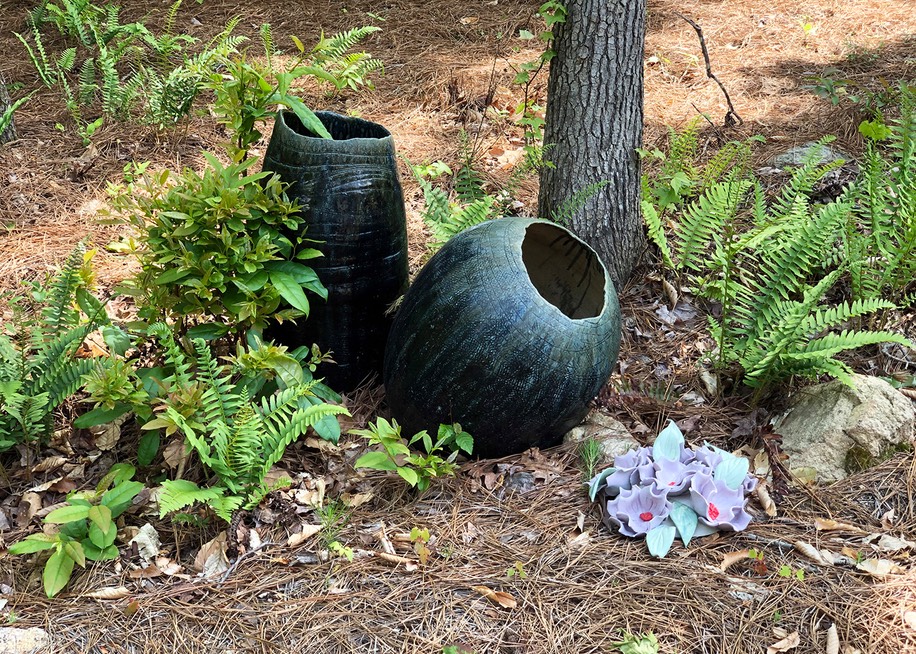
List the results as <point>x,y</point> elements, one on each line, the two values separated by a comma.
<point>833,343</point>
<point>571,206</point>
<point>468,182</point>
<point>706,216</point>
<point>279,439</point>
<point>267,40</point>
<point>657,232</point>
<point>174,355</point>
<point>219,402</point>
<point>337,45</point>
<point>180,493</point>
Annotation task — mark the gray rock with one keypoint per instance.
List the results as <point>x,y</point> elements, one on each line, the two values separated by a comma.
<point>613,436</point>
<point>24,641</point>
<point>796,155</point>
<point>836,430</point>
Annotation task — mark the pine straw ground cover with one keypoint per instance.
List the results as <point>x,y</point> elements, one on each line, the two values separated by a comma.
<point>582,586</point>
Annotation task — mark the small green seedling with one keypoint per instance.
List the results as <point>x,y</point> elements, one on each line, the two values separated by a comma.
<point>87,528</point>
<point>789,573</point>
<point>420,539</point>
<point>645,643</point>
<point>517,570</point>
<point>418,470</point>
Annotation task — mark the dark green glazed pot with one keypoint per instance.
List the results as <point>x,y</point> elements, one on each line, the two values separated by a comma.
<point>511,329</point>
<point>351,202</point>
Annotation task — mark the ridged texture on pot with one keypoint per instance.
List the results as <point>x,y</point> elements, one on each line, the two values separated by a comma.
<point>475,342</point>
<point>351,202</point>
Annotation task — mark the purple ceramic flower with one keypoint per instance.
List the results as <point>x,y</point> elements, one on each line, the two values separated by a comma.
<point>750,483</point>
<point>628,467</point>
<point>716,504</point>
<point>638,510</point>
<point>707,456</point>
<point>671,476</point>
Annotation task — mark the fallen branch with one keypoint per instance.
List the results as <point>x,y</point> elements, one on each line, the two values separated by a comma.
<point>732,119</point>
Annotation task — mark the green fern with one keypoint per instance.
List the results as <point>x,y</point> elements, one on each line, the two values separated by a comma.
<point>881,231</point>
<point>38,365</point>
<point>572,205</point>
<point>238,439</point>
<point>346,69</point>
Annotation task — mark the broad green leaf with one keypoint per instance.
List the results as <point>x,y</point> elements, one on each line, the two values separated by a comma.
<point>208,331</point>
<point>375,461</point>
<point>118,499</point>
<point>290,290</point>
<point>148,448</point>
<point>57,572</point>
<point>309,253</point>
<point>669,442</point>
<point>117,340</point>
<point>74,550</point>
<point>100,416</point>
<point>659,540</point>
<point>34,543</point>
<point>308,118</point>
<point>170,276</point>
<point>67,514</point>
<point>100,516</point>
<point>685,520</point>
<point>103,537</point>
<point>410,476</point>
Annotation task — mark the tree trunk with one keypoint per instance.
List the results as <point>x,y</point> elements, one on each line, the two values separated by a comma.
<point>594,121</point>
<point>8,134</point>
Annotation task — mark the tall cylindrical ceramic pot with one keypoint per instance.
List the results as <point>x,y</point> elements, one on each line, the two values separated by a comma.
<point>352,205</point>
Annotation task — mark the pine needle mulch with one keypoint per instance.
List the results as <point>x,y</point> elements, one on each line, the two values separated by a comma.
<point>580,589</point>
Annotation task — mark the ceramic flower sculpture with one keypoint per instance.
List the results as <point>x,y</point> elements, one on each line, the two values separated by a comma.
<point>669,490</point>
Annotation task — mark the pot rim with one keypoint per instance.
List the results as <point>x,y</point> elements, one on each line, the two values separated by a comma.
<point>314,140</point>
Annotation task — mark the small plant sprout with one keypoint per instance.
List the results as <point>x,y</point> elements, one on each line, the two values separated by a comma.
<point>420,539</point>
<point>589,456</point>
<point>87,528</point>
<point>788,573</point>
<point>517,570</point>
<point>645,643</point>
<point>418,470</point>
<point>668,490</point>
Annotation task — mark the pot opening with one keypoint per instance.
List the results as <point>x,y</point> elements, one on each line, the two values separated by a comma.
<point>342,128</point>
<point>565,271</point>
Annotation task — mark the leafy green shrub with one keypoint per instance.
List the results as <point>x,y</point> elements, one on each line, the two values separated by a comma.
<point>87,530</point>
<point>39,368</point>
<point>247,91</point>
<point>236,438</point>
<point>416,469</point>
<point>211,249</point>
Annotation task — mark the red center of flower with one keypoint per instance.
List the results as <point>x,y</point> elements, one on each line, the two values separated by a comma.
<point>671,483</point>
<point>646,516</point>
<point>713,511</point>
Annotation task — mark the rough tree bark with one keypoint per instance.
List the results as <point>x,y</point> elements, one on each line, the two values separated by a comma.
<point>9,134</point>
<point>594,119</point>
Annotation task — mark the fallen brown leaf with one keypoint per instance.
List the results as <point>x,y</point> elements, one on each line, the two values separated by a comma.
<point>909,618</point>
<point>29,505</point>
<point>826,524</point>
<point>879,567</point>
<point>763,496</point>
<point>504,600</point>
<point>211,560</point>
<point>306,532</point>
<point>732,558</point>
<point>833,640</point>
<point>50,463</point>
<point>789,642</point>
<point>809,551</point>
<point>108,593</point>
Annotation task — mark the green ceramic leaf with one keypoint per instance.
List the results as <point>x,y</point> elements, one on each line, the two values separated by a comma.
<point>659,540</point>
<point>685,520</point>
<point>597,482</point>
<point>669,442</point>
<point>732,470</point>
